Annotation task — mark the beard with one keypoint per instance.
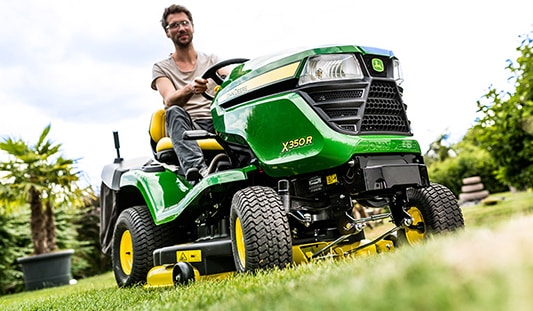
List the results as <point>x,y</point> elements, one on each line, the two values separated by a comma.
<point>183,44</point>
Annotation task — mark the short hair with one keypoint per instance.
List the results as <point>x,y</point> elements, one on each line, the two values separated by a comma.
<point>174,9</point>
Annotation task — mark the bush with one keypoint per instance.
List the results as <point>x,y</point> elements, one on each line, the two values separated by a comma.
<point>15,242</point>
<point>451,171</point>
<point>89,259</point>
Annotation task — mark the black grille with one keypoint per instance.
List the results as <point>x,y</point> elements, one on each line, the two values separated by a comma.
<point>325,96</point>
<point>350,111</point>
<point>384,111</point>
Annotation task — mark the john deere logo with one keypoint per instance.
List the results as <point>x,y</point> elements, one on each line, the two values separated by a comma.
<point>377,65</point>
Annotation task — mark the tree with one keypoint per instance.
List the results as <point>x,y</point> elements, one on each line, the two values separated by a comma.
<point>40,177</point>
<point>505,128</point>
<point>438,151</point>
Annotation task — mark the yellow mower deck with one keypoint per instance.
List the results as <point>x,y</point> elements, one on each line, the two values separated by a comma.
<point>166,275</point>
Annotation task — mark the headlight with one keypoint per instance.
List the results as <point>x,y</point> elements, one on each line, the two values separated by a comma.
<point>330,67</point>
<point>397,71</point>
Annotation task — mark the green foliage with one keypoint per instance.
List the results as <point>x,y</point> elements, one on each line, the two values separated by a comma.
<point>469,160</point>
<point>67,238</point>
<point>505,128</point>
<point>438,150</point>
<point>89,259</point>
<point>36,166</point>
<point>78,229</point>
<point>15,242</point>
<point>38,175</point>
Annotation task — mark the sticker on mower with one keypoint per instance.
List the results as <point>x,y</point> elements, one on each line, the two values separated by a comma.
<point>331,179</point>
<point>296,143</point>
<point>189,256</point>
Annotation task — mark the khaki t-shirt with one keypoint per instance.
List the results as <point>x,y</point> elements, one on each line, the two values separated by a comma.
<point>197,106</point>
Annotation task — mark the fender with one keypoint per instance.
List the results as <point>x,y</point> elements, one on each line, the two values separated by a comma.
<point>112,173</point>
<point>167,194</point>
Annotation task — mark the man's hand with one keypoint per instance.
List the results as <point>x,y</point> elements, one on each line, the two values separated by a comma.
<point>199,85</point>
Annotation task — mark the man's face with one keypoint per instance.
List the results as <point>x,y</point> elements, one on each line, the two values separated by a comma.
<point>180,29</point>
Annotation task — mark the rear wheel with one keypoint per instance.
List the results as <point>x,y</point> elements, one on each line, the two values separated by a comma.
<point>134,240</point>
<point>260,230</point>
<point>434,210</point>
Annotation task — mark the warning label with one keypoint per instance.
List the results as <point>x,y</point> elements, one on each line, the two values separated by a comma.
<point>189,256</point>
<point>331,179</point>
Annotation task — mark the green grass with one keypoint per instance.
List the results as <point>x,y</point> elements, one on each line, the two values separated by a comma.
<point>508,205</point>
<point>487,266</point>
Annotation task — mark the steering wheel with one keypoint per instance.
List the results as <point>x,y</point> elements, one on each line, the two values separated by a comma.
<point>212,73</point>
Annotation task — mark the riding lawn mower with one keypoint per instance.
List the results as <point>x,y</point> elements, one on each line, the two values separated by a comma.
<point>301,138</point>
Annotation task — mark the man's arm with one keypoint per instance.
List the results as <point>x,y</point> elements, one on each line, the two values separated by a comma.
<point>173,97</point>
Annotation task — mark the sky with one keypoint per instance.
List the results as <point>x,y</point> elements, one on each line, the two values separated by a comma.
<point>84,67</point>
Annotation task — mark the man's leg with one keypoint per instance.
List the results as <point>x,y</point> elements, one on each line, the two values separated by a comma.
<point>205,124</point>
<point>189,153</point>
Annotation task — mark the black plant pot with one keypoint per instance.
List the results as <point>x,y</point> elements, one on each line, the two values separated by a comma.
<point>47,270</point>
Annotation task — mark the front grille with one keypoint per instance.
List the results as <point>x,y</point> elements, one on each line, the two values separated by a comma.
<point>384,111</point>
<point>351,112</point>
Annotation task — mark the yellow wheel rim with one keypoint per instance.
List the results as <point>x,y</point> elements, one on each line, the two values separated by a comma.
<point>414,235</point>
<point>126,252</point>
<point>239,241</point>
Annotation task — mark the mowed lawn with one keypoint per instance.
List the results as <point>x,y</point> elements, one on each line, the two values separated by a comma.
<point>487,266</point>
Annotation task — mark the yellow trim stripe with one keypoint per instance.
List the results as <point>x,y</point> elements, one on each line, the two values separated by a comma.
<point>270,77</point>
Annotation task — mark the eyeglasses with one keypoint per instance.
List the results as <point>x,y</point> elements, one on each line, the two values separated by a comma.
<point>176,25</point>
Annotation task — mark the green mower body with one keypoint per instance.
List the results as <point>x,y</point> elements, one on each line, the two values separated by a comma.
<point>311,141</point>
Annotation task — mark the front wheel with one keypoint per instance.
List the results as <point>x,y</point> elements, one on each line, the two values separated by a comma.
<point>434,210</point>
<point>259,230</point>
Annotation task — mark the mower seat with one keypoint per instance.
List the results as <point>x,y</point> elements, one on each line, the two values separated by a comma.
<point>162,145</point>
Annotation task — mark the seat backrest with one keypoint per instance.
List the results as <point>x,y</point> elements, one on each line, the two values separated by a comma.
<point>157,128</point>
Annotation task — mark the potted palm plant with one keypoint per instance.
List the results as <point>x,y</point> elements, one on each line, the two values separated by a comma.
<point>38,177</point>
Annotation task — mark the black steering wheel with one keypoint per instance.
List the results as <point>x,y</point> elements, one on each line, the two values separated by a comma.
<point>212,73</point>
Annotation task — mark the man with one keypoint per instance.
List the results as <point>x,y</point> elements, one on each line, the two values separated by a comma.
<point>178,80</point>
